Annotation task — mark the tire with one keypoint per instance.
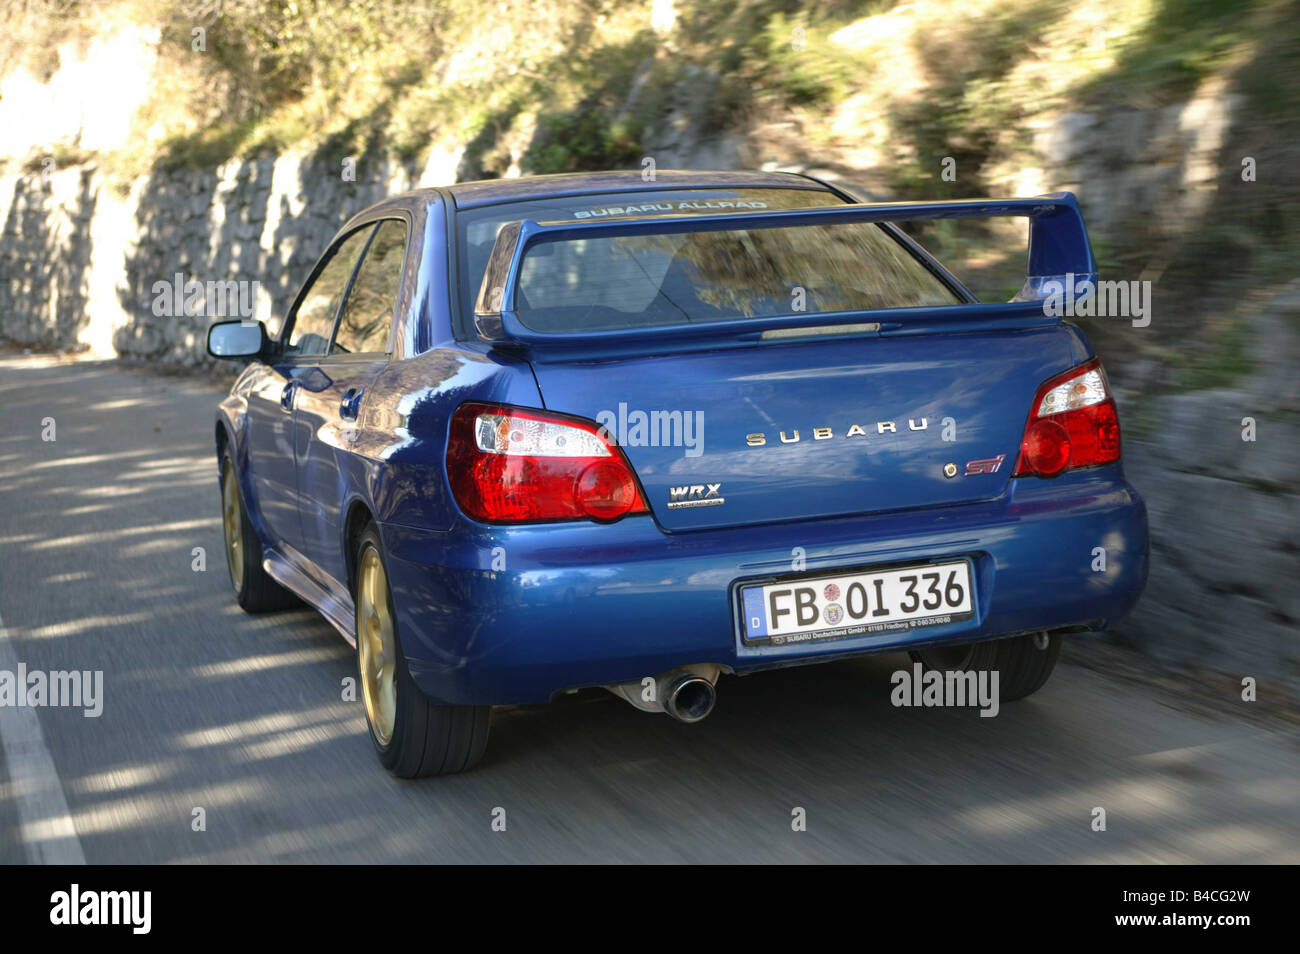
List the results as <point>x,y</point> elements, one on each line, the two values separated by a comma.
<point>1021,665</point>
<point>255,590</point>
<point>413,737</point>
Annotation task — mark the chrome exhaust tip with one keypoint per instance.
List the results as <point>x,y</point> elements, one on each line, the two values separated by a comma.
<point>689,698</point>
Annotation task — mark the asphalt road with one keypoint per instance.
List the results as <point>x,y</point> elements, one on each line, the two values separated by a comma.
<point>206,707</point>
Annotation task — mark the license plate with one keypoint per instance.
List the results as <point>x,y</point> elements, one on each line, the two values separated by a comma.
<point>856,604</point>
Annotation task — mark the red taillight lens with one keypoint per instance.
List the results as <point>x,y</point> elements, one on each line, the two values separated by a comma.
<point>512,465</point>
<point>1072,424</point>
<point>1045,449</point>
<point>606,490</point>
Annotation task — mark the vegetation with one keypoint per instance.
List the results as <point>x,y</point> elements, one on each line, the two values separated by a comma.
<point>873,88</point>
<point>389,78</point>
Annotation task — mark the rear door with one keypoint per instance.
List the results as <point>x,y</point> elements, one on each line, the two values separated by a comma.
<point>332,396</point>
<point>275,393</point>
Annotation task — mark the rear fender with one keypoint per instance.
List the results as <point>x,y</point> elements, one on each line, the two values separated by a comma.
<point>401,458</point>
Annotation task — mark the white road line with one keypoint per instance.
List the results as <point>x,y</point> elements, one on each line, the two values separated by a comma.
<point>44,824</point>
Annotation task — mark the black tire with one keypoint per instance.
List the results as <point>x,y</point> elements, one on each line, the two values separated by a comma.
<point>1022,666</point>
<point>425,738</point>
<point>255,590</point>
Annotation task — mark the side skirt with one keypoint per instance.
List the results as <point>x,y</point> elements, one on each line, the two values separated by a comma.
<point>337,609</point>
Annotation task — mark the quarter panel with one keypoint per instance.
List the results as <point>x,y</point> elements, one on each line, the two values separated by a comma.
<point>401,439</point>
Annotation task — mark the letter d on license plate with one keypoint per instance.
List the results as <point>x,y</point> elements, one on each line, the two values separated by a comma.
<point>856,604</point>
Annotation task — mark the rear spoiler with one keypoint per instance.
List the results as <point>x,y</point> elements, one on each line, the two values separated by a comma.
<point>1058,247</point>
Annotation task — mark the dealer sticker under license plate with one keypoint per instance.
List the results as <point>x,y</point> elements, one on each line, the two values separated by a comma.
<point>856,604</point>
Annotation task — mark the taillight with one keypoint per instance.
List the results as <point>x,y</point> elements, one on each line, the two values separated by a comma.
<point>511,465</point>
<point>1072,423</point>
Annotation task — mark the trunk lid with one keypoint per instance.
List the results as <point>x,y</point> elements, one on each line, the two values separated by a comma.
<point>817,427</point>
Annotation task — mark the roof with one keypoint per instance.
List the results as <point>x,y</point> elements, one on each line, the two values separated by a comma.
<point>468,195</point>
<point>489,191</point>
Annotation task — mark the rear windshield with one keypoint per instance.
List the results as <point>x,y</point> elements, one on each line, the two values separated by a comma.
<point>634,281</point>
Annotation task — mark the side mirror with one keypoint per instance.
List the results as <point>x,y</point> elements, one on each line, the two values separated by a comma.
<point>238,339</point>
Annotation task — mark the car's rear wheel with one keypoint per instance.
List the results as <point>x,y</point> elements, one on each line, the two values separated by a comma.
<point>255,590</point>
<point>1023,663</point>
<point>413,736</point>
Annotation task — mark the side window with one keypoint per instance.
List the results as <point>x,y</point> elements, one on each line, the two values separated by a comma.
<point>314,319</point>
<point>368,314</point>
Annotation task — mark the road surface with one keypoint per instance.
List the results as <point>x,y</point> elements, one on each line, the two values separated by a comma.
<point>207,708</point>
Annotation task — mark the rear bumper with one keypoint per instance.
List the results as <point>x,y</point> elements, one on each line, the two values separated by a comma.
<point>491,615</point>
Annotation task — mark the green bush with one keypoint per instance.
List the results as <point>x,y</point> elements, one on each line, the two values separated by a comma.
<point>585,139</point>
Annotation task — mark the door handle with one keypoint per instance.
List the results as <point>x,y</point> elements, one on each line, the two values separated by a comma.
<point>286,396</point>
<point>350,405</point>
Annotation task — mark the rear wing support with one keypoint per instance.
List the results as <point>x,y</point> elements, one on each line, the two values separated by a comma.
<point>1058,249</point>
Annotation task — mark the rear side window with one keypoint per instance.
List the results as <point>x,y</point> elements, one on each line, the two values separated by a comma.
<point>634,281</point>
<point>367,319</point>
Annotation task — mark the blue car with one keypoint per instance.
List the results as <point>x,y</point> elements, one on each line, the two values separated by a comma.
<point>520,437</point>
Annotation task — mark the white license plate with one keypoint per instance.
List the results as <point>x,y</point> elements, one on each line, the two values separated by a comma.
<point>856,604</point>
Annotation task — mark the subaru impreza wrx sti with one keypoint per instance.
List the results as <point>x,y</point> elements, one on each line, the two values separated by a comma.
<point>520,437</point>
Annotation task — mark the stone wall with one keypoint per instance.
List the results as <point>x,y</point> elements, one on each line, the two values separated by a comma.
<point>1151,171</point>
<point>45,251</point>
<point>78,260</point>
<point>1224,590</point>
<point>80,263</point>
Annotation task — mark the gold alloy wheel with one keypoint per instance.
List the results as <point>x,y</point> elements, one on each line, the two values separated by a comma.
<point>376,646</point>
<point>232,518</point>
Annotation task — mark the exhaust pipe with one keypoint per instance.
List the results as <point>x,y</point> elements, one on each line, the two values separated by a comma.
<point>686,693</point>
<point>689,698</point>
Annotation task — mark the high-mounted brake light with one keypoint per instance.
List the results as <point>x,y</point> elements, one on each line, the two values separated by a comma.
<point>513,465</point>
<point>1072,424</point>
